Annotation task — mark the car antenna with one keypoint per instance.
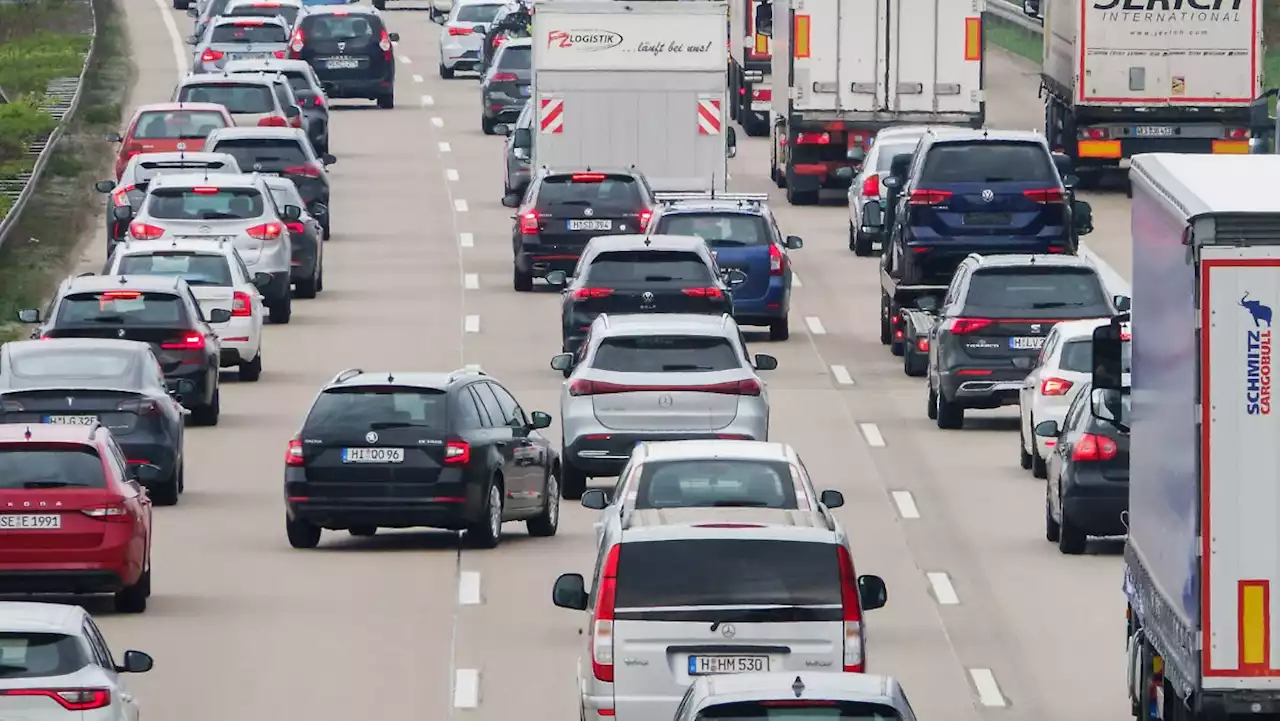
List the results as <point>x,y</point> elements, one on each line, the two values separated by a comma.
<point>391,378</point>
<point>123,280</point>
<point>27,435</point>
<point>648,241</point>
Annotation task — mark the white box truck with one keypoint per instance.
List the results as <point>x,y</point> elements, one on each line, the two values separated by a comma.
<point>843,70</point>
<point>621,84</point>
<point>1122,77</point>
<point>1204,478</point>
<point>750,62</point>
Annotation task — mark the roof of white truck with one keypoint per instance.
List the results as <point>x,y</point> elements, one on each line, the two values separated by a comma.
<point>1203,184</point>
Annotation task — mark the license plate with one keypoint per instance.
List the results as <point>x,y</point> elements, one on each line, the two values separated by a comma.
<point>246,56</point>
<point>987,218</point>
<point>373,455</point>
<point>591,225</point>
<point>342,63</point>
<point>704,665</point>
<point>761,105</point>
<point>71,420</point>
<point>1153,131</point>
<point>1026,343</point>
<point>30,522</point>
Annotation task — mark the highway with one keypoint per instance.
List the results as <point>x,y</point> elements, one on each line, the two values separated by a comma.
<point>985,619</point>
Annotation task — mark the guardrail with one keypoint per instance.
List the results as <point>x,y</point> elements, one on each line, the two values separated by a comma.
<point>62,97</point>
<point>1011,13</point>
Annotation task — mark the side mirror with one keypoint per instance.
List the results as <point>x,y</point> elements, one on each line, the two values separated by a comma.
<point>104,186</point>
<point>892,184</point>
<point>595,499</point>
<point>122,212</point>
<point>511,200</point>
<point>844,172</point>
<point>317,209</point>
<point>765,362</point>
<point>927,303</point>
<point>192,39</point>
<point>145,473</point>
<point>872,593</point>
<point>872,215</point>
<point>328,159</point>
<point>1082,217</point>
<point>192,12</point>
<point>570,592</point>
<point>1122,303</point>
<point>1047,429</point>
<point>764,19</point>
<point>857,155</point>
<point>1070,181</point>
<point>219,315</point>
<point>793,242</point>
<point>523,138</point>
<point>900,165</point>
<point>502,129</point>
<point>538,420</point>
<point>29,315</point>
<point>731,142</point>
<point>558,277</point>
<point>1031,8</point>
<point>562,362</point>
<point>1062,162</point>
<point>1098,405</point>
<point>734,278</point>
<point>113,138</point>
<point>831,499</point>
<point>262,281</point>
<point>1107,358</point>
<point>393,37</point>
<point>291,212</point>
<point>136,662</point>
<point>292,111</point>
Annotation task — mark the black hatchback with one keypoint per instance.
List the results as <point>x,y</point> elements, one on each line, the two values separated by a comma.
<point>351,51</point>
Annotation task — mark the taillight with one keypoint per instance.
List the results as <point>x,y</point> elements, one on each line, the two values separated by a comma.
<point>120,196</point>
<point>761,94</point>
<point>266,231</point>
<point>110,512</point>
<point>210,55</point>
<point>385,44</point>
<point>585,293</point>
<point>279,54</point>
<point>777,261</point>
<point>504,77</point>
<point>1055,387</point>
<point>1045,195</point>
<point>871,186</point>
<point>142,406</point>
<point>295,227</point>
<point>457,453</point>
<point>191,340</point>
<point>852,605</point>
<point>71,699</point>
<point>583,387</point>
<point>145,231</point>
<point>961,326</point>
<point>293,456</point>
<point>295,44</point>
<point>456,32</point>
<point>307,171</point>
<point>929,197</point>
<point>273,121</point>
<point>529,223</point>
<point>241,305</point>
<point>602,629</point>
<point>317,101</point>
<point>1092,447</point>
<point>922,345</point>
<point>813,139</point>
<point>712,293</point>
<point>645,217</point>
<point>1094,133</point>
<point>497,40</point>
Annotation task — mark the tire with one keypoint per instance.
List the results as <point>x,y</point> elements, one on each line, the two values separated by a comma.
<point>573,482</point>
<point>320,279</point>
<point>167,492</point>
<point>380,4</point>
<point>363,531</point>
<point>950,415</point>
<point>886,329</point>
<point>133,599</point>
<point>853,237</point>
<point>1071,540</point>
<point>208,415</point>
<point>522,282</point>
<point>181,4</point>
<point>544,524</point>
<point>780,329</point>
<point>281,311</point>
<point>861,244</point>
<point>1039,468</point>
<point>931,409</point>
<point>250,372</point>
<point>487,533</point>
<point>305,289</point>
<point>446,73</point>
<point>1024,458</point>
<point>802,197</point>
<point>487,125</point>
<point>324,229</point>
<point>302,534</point>
<point>912,366</point>
<point>387,102</point>
<point>1051,528</point>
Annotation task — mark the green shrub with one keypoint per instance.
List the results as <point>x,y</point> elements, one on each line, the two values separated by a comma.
<point>21,123</point>
<point>28,64</point>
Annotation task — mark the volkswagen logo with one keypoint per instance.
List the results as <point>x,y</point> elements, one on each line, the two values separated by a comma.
<point>120,333</point>
<point>728,631</point>
<point>588,212</point>
<point>371,437</point>
<point>257,166</point>
<point>70,401</point>
<point>664,401</point>
<point>988,195</point>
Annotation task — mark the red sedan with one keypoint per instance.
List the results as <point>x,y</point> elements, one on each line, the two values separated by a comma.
<point>169,128</point>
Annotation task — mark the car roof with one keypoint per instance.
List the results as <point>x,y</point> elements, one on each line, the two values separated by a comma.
<point>624,324</point>
<point>717,448</point>
<point>265,3</point>
<point>1070,330</point>
<point>175,105</point>
<point>147,283</point>
<point>193,245</point>
<point>250,20</point>
<point>266,65</point>
<point>357,378</point>
<point>826,686</point>
<point>259,132</point>
<point>224,79</point>
<point>366,10</point>
<point>275,181</point>
<point>911,131</point>
<point>229,180</point>
<point>605,243</point>
<point>719,207</point>
<point>728,523</point>
<point>965,135</point>
<point>47,433</point>
<point>32,617</point>
<point>1019,260</point>
<point>20,347</point>
<point>1213,183</point>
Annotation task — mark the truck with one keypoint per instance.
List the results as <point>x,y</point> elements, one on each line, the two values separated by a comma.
<point>841,71</point>
<point>633,84</point>
<point>1201,553</point>
<point>750,61</point>
<point>1123,77</point>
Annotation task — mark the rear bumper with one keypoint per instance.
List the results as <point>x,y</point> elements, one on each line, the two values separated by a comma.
<point>367,88</point>
<point>238,340</point>
<point>153,451</point>
<point>763,310</point>
<point>542,260</point>
<point>433,509</point>
<point>990,390</point>
<point>605,453</point>
<point>1094,504</point>
<point>503,107</point>
<point>66,578</point>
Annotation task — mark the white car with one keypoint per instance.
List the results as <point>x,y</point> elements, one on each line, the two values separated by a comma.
<point>57,666</point>
<point>219,279</point>
<point>866,185</point>
<point>462,35</point>
<point>1064,367</point>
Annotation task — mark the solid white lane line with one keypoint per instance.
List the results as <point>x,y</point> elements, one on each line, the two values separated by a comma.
<point>469,587</point>
<point>871,432</point>
<point>842,375</point>
<point>906,504</point>
<point>466,240</point>
<point>176,42</point>
<point>428,100</point>
<point>460,205</point>
<point>988,690</point>
<point>466,688</point>
<point>815,325</point>
<point>444,147</point>
<point>405,59</point>
<point>795,281</point>
<point>417,78</point>
<point>471,281</point>
<point>942,589</point>
<point>451,174</point>
<point>438,122</point>
<point>472,324</point>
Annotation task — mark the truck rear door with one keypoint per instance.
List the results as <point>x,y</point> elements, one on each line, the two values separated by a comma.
<point>935,49</point>
<point>837,55</point>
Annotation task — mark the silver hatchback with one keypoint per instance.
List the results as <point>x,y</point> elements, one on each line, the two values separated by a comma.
<point>239,38</point>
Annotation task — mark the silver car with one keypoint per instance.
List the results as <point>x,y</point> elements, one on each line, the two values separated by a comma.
<point>131,188</point>
<point>866,186</point>
<point>655,377</point>
<point>213,206</point>
<point>519,147</point>
<point>800,695</point>
<point>462,35</point>
<point>239,38</point>
<point>286,9</point>
<point>249,97</point>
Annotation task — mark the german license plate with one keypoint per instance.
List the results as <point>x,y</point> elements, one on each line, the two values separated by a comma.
<point>591,225</point>
<point>373,455</point>
<point>704,665</point>
<point>1153,131</point>
<point>246,56</point>
<point>342,63</point>
<point>71,420</point>
<point>987,218</point>
<point>30,522</point>
<point>1024,342</point>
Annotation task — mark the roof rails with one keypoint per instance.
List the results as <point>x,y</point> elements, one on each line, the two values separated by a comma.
<point>471,370</point>
<point>741,198</point>
<point>346,375</point>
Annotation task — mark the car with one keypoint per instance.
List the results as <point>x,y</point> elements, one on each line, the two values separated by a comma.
<point>654,274</point>
<point>306,91</point>
<point>400,450</point>
<point>130,187</point>
<point>562,210</point>
<point>659,377</point>
<point>513,20</point>
<point>518,155</point>
<point>285,152</point>
<point>78,521</point>
<point>305,234</point>
<point>351,51</point>
<point>219,279</point>
<point>203,14</point>
<point>504,89</point>
<point>159,311</point>
<point>985,336</point>
<point>1087,493</point>
<point>888,144</point>
<point>238,38</point>
<point>213,206</point>
<point>288,10</point>
<point>280,85</point>
<point>117,383</point>
<point>789,694</point>
<point>778,589</point>
<point>251,99</point>
<point>1065,365</point>
<point>163,127</point>
<point>743,234</point>
<point>462,34</point>
<point>58,666</point>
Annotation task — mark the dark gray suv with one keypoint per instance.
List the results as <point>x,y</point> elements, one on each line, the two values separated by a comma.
<point>505,86</point>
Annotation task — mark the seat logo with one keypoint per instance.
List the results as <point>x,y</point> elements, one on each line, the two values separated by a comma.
<point>120,333</point>
<point>988,195</point>
<point>1035,327</point>
<point>371,437</point>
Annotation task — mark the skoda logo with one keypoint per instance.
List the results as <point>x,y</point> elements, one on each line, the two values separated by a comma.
<point>371,437</point>
<point>728,631</point>
<point>664,401</point>
<point>988,195</point>
<point>588,212</point>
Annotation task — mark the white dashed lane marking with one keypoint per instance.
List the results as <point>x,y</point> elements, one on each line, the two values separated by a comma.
<point>842,375</point>
<point>466,688</point>
<point>906,504</point>
<point>445,147</point>
<point>871,432</point>
<point>417,78</point>
<point>466,240</point>
<point>795,281</point>
<point>428,100</point>
<point>460,205</point>
<point>815,325</point>
<point>451,174</point>
<point>469,581</point>
<point>984,682</point>
<point>438,122</point>
<point>942,589</point>
<point>471,324</point>
<point>405,59</point>
<point>471,281</point>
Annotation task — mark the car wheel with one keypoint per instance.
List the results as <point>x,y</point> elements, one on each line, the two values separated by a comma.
<point>208,415</point>
<point>305,289</point>
<point>280,311</point>
<point>320,279</point>
<point>487,532</point>
<point>861,244</point>
<point>167,491</point>
<point>886,330</point>
<point>802,197</point>
<point>301,534</point>
<point>1051,527</point>
<point>912,365</point>
<point>950,415</point>
<point>363,531</point>
<point>545,523</point>
<point>324,227</point>
<point>380,4</point>
<point>133,599</point>
<point>1039,468</point>
<point>932,410</point>
<point>780,329</point>
<point>182,478</point>
<point>1024,458</point>
<point>487,125</point>
<point>573,482</point>
<point>387,102</point>
<point>446,73</point>
<point>250,372</point>
<point>522,282</point>
<point>1071,540</point>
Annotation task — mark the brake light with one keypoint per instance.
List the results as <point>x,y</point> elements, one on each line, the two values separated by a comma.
<point>1055,387</point>
<point>813,139</point>
<point>1045,195</point>
<point>456,32</point>
<point>121,295</point>
<point>317,101</point>
<point>120,196</point>
<point>279,54</point>
<point>929,197</point>
<point>295,227</point>
<point>293,455</point>
<point>602,630</point>
<point>457,453</point>
<point>248,23</point>
<point>273,121</point>
<point>583,387</point>
<point>385,44</point>
<point>241,305</point>
<point>1095,133</point>
<point>712,293</point>
<point>308,171</point>
<point>204,190</point>
<point>529,223</point>
<point>585,293</point>
<point>871,186</point>
<point>1237,133</point>
<point>296,43</point>
<point>145,231</point>
<point>587,177</point>
<point>210,55</point>
<point>922,345</point>
<point>645,217</point>
<point>761,94</point>
<point>71,699</point>
<point>141,406</point>
<point>961,326</point>
<point>191,340</point>
<point>504,77</point>
<point>266,231</point>
<point>497,40</point>
<point>852,605</point>
<point>110,512</point>
<point>777,260</point>
<point>1092,447</point>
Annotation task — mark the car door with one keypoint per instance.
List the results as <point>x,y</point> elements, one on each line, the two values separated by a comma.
<point>525,476</point>
<point>496,435</point>
<point>1068,434</point>
<point>104,660</point>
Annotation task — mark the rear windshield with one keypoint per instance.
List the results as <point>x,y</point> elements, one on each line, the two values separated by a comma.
<point>285,197</point>
<point>121,307</point>
<point>205,203</point>
<point>249,99</point>
<point>244,32</point>
<point>66,364</point>
<point>807,710</point>
<point>724,572</point>
<point>889,150</point>
<point>1077,356</point>
<point>248,151</point>
<point>32,655</point>
<point>669,353</point>
<point>591,190</point>
<point>1037,293</point>
<point>359,410</point>
<point>288,12</point>
<point>300,83</point>
<point>516,57</point>
<point>477,13</point>
<point>148,170</point>
<point>724,482</point>
<point>325,28</point>
<point>65,467</point>
<point>722,231</point>
<point>988,162</point>
<point>177,125</point>
<point>640,266</point>
<point>195,268</point>
<point>1119,403</point>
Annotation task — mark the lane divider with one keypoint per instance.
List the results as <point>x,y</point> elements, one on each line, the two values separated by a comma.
<point>437,121</point>
<point>428,100</point>
<point>842,375</point>
<point>943,591</point>
<point>444,146</point>
<point>451,174</point>
<point>466,240</point>
<point>815,325</point>
<point>984,682</point>
<point>469,588</point>
<point>471,281</point>
<point>871,432</point>
<point>405,59</point>
<point>906,504</point>
<point>471,324</point>
<point>466,688</point>
<point>460,205</point>
<point>795,281</point>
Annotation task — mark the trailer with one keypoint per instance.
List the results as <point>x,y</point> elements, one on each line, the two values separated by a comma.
<point>750,62</point>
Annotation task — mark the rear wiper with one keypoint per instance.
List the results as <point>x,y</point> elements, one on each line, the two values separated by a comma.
<point>741,504</point>
<point>105,319</point>
<point>996,180</point>
<point>218,215</point>
<point>741,616</point>
<point>54,484</point>
<point>684,367</point>
<point>585,203</point>
<point>382,425</point>
<point>268,159</point>
<point>1055,304</point>
<point>728,242</point>
<point>658,278</point>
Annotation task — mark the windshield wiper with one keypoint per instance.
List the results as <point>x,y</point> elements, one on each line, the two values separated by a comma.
<point>1055,304</point>
<point>382,425</point>
<point>658,278</point>
<point>54,484</point>
<point>729,243</point>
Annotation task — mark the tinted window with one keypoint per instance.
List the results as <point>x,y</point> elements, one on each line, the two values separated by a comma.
<point>31,655</point>
<point>591,190</point>
<point>236,98</point>
<point>1055,291</point>
<point>324,28</point>
<point>723,231</point>
<point>723,572</point>
<point>178,125</point>
<point>120,307</point>
<point>63,467</point>
<point>205,203</point>
<point>300,83</point>
<point>288,12</point>
<point>1077,355</point>
<point>477,13</point>
<point>988,162</point>
<point>490,404</point>
<point>672,353</point>
<point>512,414</point>
<point>807,711</point>
<point>639,266</point>
<point>195,268</point>
<point>516,58</point>
<point>348,410</point>
<point>45,364</point>
<point>147,171</point>
<point>468,415</point>
<point>887,151</point>
<point>248,151</point>
<point>243,32</point>
<point>677,484</point>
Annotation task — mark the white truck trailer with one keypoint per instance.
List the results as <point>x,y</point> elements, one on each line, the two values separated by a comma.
<point>750,62</point>
<point>621,84</point>
<point>1204,479</point>
<point>1122,77</point>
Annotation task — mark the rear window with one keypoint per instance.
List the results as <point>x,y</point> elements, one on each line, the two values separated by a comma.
<point>724,572</point>
<point>652,266</point>
<point>250,99</point>
<point>1077,356</point>
<point>889,150</point>
<point>721,230</point>
<point>177,125</point>
<point>300,83</point>
<point>248,151</point>
<point>806,710</point>
<point>245,32</point>
<point>591,190</point>
<point>121,307</point>
<point>195,268</point>
<point>477,13</point>
<point>359,410</point>
<point>32,655</point>
<point>1037,293</point>
<point>665,353</point>
<point>326,28</point>
<point>725,482</point>
<point>288,12</point>
<point>66,466</point>
<point>988,162</point>
<point>205,203</point>
<point>58,363</point>
<point>516,58</point>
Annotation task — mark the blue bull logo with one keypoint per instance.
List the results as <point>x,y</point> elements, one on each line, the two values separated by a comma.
<point>1257,374</point>
<point>1261,313</point>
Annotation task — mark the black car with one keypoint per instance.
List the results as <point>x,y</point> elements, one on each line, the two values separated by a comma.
<point>117,383</point>
<point>351,51</point>
<point>404,450</point>
<point>158,310</point>
<point>306,91</point>
<point>562,210</point>
<point>987,334</point>
<point>131,188</point>
<point>1088,489</point>
<point>286,152</point>
<point>638,274</point>
<point>306,270</point>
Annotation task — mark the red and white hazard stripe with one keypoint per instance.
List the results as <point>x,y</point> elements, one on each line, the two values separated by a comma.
<point>551,115</point>
<point>709,120</point>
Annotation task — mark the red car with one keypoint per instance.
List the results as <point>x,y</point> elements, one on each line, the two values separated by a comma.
<point>73,516</point>
<point>169,128</point>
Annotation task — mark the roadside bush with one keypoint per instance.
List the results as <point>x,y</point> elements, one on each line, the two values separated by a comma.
<point>21,123</point>
<point>28,64</point>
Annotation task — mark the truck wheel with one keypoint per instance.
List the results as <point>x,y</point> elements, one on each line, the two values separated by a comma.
<point>802,197</point>
<point>950,415</point>
<point>1071,540</point>
<point>780,329</point>
<point>886,331</point>
<point>1051,528</point>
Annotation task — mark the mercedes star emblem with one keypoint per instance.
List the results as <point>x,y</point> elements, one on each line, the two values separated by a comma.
<point>371,437</point>
<point>988,195</point>
<point>728,631</point>
<point>664,401</point>
<point>588,212</point>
